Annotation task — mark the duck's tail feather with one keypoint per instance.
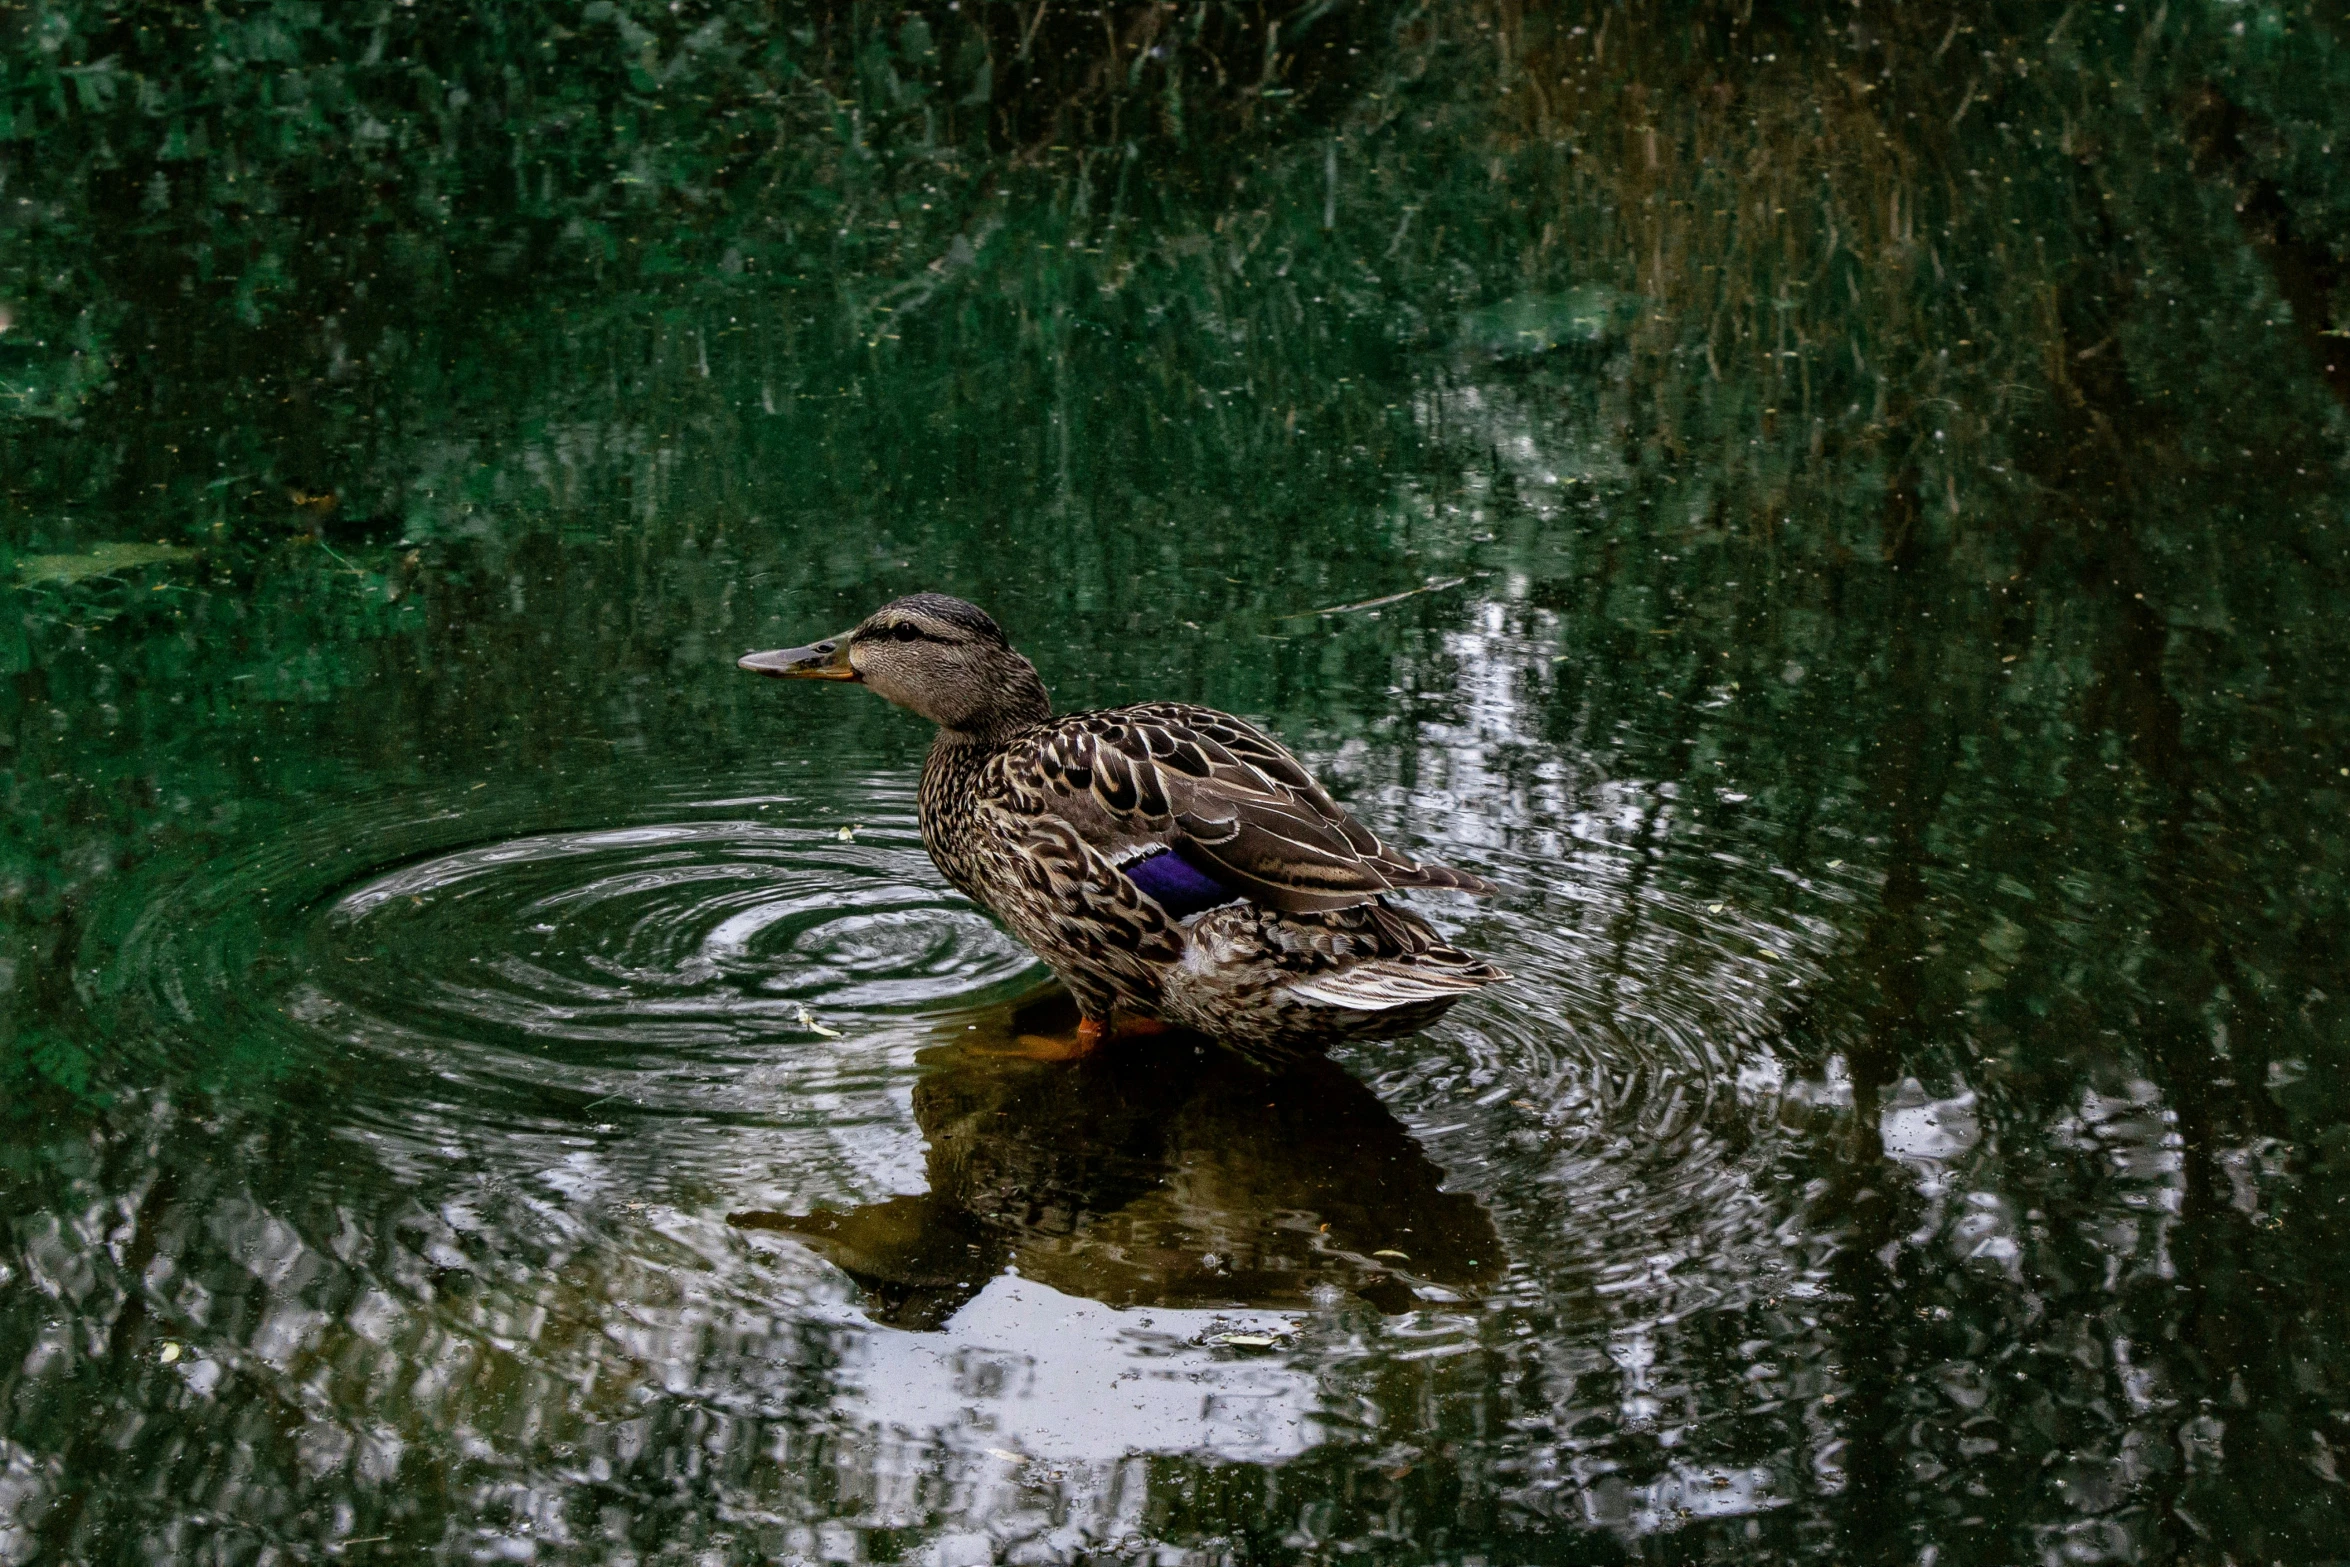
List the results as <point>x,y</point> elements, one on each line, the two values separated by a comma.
<point>1427,873</point>
<point>1384,983</point>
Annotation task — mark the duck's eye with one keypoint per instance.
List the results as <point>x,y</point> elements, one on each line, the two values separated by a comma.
<point>906,631</point>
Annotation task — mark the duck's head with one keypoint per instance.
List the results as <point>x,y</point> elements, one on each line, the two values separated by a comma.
<point>937,657</point>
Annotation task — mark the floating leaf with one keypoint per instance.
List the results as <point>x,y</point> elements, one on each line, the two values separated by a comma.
<point>101,560</point>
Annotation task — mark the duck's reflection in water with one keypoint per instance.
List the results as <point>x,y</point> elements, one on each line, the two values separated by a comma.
<point>1159,1172</point>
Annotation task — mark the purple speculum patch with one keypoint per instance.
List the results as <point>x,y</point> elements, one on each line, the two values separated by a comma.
<point>1177,885</point>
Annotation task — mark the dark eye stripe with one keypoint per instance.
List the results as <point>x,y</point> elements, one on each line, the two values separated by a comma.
<point>902,631</point>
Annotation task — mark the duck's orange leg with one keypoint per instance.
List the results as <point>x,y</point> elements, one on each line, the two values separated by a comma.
<point>1091,1034</point>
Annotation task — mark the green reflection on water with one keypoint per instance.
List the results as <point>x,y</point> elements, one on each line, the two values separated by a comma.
<point>1870,494</point>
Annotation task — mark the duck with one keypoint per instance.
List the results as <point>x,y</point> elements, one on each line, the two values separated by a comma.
<point>1174,866</point>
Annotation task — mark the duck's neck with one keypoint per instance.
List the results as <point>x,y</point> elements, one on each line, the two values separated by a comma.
<point>1020,703</point>
<point>951,779</point>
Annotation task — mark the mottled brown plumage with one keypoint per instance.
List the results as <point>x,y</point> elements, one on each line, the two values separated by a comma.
<point>1272,934</point>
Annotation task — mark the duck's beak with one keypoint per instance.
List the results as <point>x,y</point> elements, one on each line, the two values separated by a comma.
<point>826,660</point>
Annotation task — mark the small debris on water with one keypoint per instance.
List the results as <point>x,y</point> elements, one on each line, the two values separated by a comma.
<point>847,834</point>
<point>171,1352</point>
<point>808,1018</point>
<point>1247,1335</point>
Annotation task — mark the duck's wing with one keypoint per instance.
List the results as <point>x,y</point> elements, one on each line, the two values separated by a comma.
<point>1227,798</point>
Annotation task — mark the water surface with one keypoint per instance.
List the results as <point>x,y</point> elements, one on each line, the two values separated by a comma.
<point>1842,519</point>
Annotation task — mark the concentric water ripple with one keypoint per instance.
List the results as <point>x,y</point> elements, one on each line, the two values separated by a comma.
<point>639,960</point>
<point>707,936</point>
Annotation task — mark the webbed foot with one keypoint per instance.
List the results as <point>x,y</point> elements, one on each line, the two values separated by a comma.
<point>1089,1035</point>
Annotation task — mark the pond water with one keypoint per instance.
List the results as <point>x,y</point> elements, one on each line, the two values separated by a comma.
<point>1844,519</point>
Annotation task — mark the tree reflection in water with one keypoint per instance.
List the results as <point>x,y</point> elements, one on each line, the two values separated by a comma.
<point>1886,471</point>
